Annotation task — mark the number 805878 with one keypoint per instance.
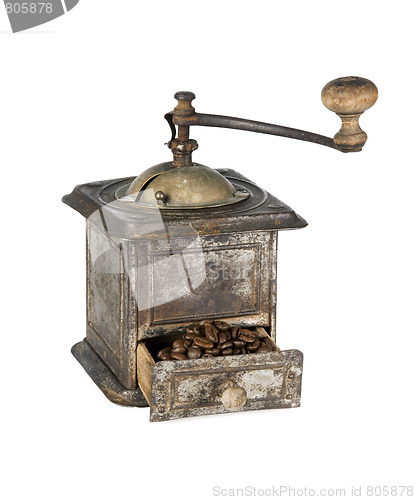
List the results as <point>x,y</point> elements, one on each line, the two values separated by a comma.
<point>29,8</point>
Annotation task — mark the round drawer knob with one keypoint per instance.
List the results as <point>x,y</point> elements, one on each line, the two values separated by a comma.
<point>232,396</point>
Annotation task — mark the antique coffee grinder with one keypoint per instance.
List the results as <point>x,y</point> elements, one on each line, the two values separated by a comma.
<point>181,274</point>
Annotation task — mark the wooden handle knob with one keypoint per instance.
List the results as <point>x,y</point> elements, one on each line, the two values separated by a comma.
<point>349,97</point>
<point>232,396</point>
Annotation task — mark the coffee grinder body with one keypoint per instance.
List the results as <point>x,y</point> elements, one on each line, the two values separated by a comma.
<point>181,245</point>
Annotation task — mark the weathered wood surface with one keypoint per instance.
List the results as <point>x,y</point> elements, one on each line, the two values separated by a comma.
<point>145,364</point>
<point>197,387</point>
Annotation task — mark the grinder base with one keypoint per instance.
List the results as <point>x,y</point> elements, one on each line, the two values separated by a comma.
<point>105,379</point>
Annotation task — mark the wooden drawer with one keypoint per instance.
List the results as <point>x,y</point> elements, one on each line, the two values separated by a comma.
<point>178,389</point>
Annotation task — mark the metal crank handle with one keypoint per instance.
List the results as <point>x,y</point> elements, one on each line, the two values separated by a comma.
<point>348,97</point>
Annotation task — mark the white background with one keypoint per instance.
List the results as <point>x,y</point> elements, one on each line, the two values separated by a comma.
<point>82,99</point>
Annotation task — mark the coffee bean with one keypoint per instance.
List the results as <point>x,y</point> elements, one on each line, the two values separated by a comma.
<point>214,328</point>
<point>166,356</point>
<point>246,337</point>
<point>248,331</point>
<point>165,350</point>
<point>203,343</point>
<point>221,325</point>
<point>178,356</point>
<point>226,345</point>
<point>190,335</point>
<point>181,349</point>
<point>226,352</point>
<point>194,353</point>
<point>253,346</point>
<point>238,344</point>
<point>222,337</point>
<point>215,351</point>
<point>208,324</point>
<point>234,332</point>
<point>263,349</point>
<point>208,339</point>
<point>178,343</point>
<point>211,334</point>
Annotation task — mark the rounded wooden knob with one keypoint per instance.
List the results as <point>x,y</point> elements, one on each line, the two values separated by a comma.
<point>232,396</point>
<point>349,97</point>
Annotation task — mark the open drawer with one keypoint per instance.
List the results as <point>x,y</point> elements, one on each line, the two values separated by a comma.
<point>222,384</point>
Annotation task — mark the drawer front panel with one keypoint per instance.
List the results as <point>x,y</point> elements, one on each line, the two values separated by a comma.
<point>206,278</point>
<point>229,277</point>
<point>252,382</point>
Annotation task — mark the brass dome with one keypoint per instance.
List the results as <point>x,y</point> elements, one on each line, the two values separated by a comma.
<point>191,187</point>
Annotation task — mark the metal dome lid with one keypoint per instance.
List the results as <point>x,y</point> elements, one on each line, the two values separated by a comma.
<point>187,187</point>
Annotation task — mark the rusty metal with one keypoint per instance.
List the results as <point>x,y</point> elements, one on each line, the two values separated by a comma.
<point>178,389</point>
<point>208,120</point>
<point>348,97</point>
<point>97,201</point>
<point>104,378</point>
<point>133,243</point>
<point>191,388</point>
<point>151,271</point>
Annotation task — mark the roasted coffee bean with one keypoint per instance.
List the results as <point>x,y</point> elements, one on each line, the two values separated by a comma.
<point>165,350</point>
<point>203,343</point>
<point>208,339</point>
<point>253,346</point>
<point>226,352</point>
<point>214,328</point>
<point>178,343</point>
<point>222,337</point>
<point>263,349</point>
<point>226,345</point>
<point>178,355</point>
<point>221,325</point>
<point>166,356</point>
<point>194,353</point>
<point>238,344</point>
<point>246,331</point>
<point>190,335</point>
<point>234,332</point>
<point>246,337</point>
<point>211,334</point>
<point>215,351</point>
<point>179,349</point>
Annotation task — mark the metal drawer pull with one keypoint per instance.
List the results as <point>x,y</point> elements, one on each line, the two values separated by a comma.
<point>231,395</point>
